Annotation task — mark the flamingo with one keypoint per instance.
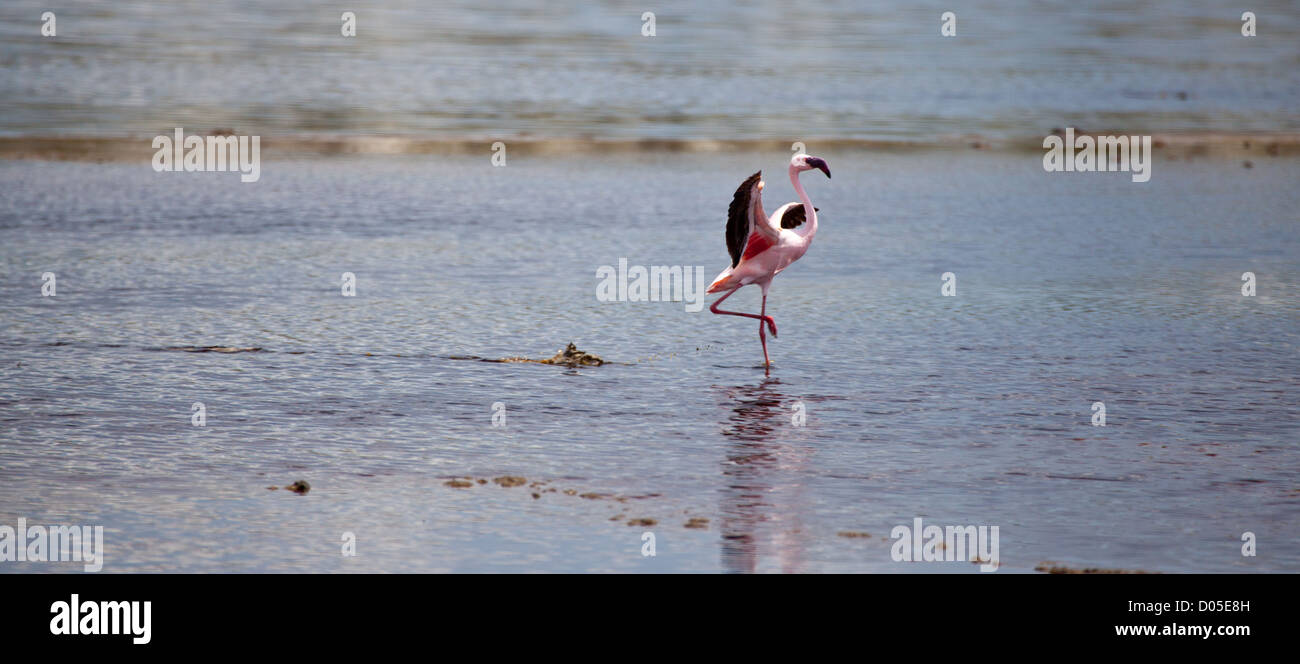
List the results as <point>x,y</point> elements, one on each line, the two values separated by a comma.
<point>760,246</point>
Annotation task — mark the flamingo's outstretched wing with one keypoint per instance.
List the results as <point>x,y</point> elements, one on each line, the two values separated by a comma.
<point>745,218</point>
<point>792,215</point>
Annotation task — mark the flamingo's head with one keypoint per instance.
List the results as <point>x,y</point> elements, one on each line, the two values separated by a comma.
<point>804,162</point>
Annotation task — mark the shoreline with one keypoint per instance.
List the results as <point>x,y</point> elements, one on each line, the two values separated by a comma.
<point>1225,145</point>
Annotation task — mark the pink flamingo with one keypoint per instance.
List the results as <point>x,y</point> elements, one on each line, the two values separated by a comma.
<point>760,246</point>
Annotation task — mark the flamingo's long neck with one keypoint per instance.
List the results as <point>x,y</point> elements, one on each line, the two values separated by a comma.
<point>809,229</point>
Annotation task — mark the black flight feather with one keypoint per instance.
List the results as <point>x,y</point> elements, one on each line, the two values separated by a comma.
<point>794,216</point>
<point>738,218</point>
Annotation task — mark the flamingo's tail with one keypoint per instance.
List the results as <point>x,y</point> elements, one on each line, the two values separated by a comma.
<point>722,282</point>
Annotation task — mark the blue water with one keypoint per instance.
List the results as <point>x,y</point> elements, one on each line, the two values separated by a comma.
<point>973,409</point>
<point>768,69</point>
<point>1072,288</point>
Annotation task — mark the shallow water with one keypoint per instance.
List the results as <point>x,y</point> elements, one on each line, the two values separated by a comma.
<point>768,69</point>
<point>966,410</point>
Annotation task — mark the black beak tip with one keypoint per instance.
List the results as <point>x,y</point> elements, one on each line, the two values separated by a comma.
<point>820,164</point>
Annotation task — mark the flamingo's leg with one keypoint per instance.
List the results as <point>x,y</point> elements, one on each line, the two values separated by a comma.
<point>771,324</point>
<point>762,337</point>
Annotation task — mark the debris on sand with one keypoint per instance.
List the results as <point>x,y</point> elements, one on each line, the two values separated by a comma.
<point>537,489</point>
<point>1062,569</point>
<point>853,534</point>
<point>569,357</point>
<point>572,357</point>
<point>300,487</point>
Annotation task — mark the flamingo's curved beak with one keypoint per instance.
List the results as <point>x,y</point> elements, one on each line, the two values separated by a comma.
<point>819,163</point>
